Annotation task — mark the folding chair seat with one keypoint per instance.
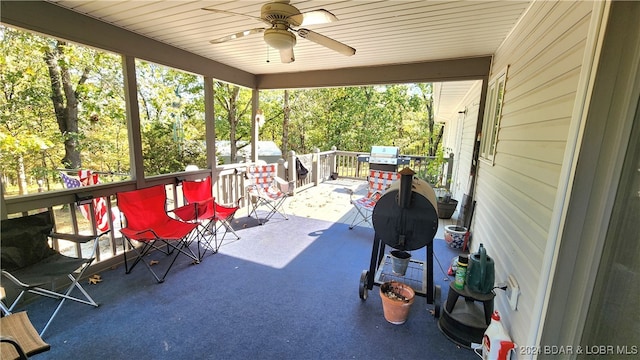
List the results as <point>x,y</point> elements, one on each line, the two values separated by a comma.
<point>377,182</point>
<point>267,189</point>
<point>148,223</point>
<point>18,338</point>
<point>30,264</point>
<point>212,217</point>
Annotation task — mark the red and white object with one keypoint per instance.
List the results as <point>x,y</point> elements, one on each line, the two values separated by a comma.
<point>496,343</point>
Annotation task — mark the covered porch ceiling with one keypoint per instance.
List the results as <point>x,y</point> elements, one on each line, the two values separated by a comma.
<point>443,40</point>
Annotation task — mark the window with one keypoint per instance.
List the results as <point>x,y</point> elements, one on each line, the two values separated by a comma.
<point>492,115</point>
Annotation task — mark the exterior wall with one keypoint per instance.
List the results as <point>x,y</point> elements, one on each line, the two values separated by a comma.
<point>516,195</point>
<point>460,140</point>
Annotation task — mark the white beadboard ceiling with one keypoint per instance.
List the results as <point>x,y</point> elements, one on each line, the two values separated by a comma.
<point>382,32</point>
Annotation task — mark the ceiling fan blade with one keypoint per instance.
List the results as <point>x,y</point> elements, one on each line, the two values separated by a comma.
<point>320,16</point>
<point>237,35</point>
<point>326,42</point>
<point>234,13</point>
<point>286,56</point>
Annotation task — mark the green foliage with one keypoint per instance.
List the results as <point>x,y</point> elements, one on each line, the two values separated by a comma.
<point>171,104</point>
<point>172,118</point>
<point>355,118</point>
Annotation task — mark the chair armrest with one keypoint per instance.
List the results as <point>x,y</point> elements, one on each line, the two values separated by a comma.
<point>76,238</point>
<point>16,346</point>
<point>131,233</point>
<point>186,212</point>
<point>284,186</point>
<point>232,204</point>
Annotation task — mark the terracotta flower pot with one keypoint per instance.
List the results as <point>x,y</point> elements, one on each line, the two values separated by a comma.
<point>397,299</point>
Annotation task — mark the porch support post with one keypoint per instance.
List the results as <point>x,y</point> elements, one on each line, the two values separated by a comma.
<point>255,130</point>
<point>447,183</point>
<point>133,120</point>
<point>210,126</point>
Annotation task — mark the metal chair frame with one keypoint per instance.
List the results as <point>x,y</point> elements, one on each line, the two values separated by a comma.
<point>267,189</point>
<point>33,278</point>
<point>148,223</point>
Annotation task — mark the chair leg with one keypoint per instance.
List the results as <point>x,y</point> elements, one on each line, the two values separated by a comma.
<point>38,290</point>
<point>275,207</point>
<point>207,231</point>
<point>364,216</point>
<point>253,209</point>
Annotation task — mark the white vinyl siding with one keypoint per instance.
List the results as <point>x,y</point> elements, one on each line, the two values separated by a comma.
<point>465,125</point>
<point>515,197</point>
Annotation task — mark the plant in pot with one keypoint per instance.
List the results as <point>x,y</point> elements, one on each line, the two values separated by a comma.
<point>446,205</point>
<point>397,299</point>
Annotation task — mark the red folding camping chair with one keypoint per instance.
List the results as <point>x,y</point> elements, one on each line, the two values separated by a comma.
<point>378,181</point>
<point>147,222</point>
<point>212,217</point>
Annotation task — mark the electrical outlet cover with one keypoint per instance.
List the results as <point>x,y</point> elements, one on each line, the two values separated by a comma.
<point>513,290</point>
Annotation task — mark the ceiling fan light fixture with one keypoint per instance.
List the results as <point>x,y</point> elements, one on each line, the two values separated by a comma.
<point>279,39</point>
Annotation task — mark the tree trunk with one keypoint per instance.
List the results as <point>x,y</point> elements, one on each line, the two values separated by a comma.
<point>65,103</point>
<point>233,122</point>
<point>285,125</point>
<point>22,176</point>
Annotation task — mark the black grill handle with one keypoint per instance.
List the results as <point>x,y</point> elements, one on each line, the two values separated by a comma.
<point>404,193</point>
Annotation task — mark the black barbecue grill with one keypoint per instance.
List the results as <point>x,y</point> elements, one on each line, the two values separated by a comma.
<point>406,219</point>
<point>384,158</point>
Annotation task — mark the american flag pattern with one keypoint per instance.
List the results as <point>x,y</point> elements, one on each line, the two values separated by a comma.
<point>379,181</point>
<point>86,178</point>
<point>262,182</point>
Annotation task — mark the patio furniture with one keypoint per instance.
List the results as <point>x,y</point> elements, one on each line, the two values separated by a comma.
<point>377,182</point>
<point>30,264</point>
<point>18,338</point>
<point>148,223</point>
<point>212,217</point>
<point>267,189</point>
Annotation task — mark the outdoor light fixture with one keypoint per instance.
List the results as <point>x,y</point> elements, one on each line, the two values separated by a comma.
<point>279,39</point>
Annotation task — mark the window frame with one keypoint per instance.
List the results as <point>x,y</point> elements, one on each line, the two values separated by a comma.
<point>492,116</point>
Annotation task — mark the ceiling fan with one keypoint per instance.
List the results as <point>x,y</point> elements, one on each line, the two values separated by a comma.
<point>283,21</point>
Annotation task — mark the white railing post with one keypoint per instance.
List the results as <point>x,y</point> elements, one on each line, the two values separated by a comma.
<point>333,168</point>
<point>292,175</point>
<point>315,166</point>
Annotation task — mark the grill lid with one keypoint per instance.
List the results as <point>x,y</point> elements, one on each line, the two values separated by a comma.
<point>410,223</point>
<point>384,155</point>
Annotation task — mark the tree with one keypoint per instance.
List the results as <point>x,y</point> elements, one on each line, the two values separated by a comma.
<point>285,123</point>
<point>65,96</point>
<point>25,116</point>
<point>234,107</point>
<point>172,118</point>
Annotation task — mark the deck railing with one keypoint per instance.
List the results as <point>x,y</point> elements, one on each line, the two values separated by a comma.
<point>229,187</point>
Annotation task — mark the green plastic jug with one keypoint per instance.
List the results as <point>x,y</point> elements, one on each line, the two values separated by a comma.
<point>481,272</point>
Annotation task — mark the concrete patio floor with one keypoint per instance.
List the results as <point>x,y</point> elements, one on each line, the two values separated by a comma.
<point>329,201</point>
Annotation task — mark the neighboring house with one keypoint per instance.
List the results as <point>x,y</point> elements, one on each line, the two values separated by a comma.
<point>548,187</point>
<point>268,151</point>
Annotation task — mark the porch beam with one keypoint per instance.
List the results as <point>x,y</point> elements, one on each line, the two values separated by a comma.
<point>475,68</point>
